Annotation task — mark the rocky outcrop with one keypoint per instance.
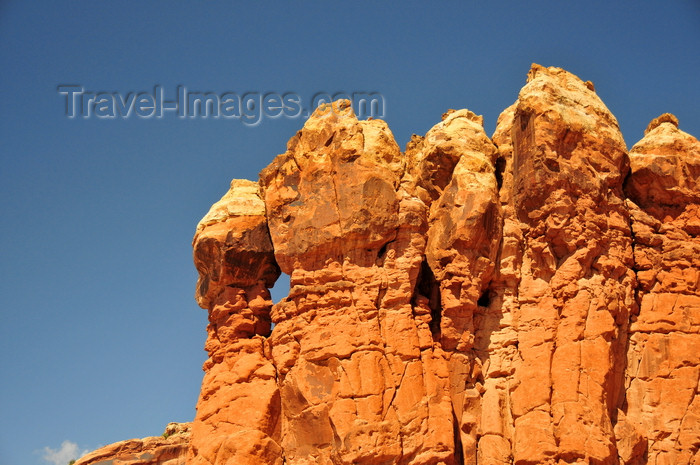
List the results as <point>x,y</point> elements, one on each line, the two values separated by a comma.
<point>168,449</point>
<point>461,252</point>
<point>526,298</point>
<point>472,300</point>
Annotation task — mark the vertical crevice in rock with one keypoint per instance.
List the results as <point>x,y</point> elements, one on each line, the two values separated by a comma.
<point>459,450</point>
<point>500,168</point>
<point>427,291</point>
<point>484,299</point>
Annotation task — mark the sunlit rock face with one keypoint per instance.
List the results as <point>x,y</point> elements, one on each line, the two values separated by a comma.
<point>566,288</point>
<point>526,298</point>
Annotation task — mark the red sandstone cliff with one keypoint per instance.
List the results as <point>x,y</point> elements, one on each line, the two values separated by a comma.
<point>529,298</point>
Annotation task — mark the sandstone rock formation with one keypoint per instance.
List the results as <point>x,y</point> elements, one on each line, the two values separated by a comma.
<point>484,300</point>
<point>527,298</point>
<point>168,449</point>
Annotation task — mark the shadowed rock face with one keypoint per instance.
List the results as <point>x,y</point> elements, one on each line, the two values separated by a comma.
<point>528,298</point>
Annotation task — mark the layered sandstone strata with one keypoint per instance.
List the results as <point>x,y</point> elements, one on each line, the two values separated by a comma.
<point>359,376</point>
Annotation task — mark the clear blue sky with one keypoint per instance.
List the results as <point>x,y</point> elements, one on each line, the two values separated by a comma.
<point>101,339</point>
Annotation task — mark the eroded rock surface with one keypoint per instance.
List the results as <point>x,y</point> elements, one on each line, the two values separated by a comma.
<point>168,449</point>
<point>526,298</point>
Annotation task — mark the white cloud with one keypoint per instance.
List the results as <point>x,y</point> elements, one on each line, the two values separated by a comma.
<point>67,452</point>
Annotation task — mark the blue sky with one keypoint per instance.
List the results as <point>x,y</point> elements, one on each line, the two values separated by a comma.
<point>100,337</point>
